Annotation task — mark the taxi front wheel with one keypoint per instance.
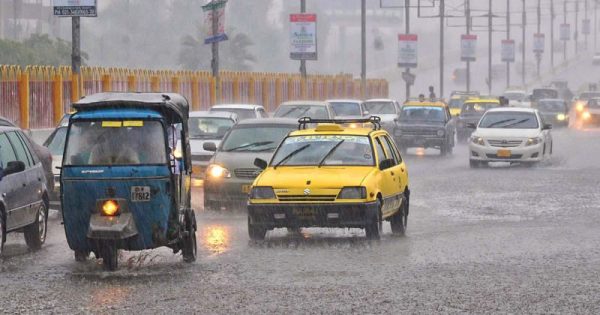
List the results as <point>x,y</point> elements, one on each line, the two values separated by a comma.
<point>373,229</point>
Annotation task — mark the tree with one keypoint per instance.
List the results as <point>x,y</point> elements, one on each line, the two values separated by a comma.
<point>38,49</point>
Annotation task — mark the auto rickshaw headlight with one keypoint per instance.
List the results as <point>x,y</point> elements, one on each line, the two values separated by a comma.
<point>110,208</point>
<point>262,192</point>
<point>218,171</point>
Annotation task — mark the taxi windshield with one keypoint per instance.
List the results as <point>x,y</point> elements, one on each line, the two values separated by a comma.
<point>380,108</point>
<point>255,138</point>
<point>298,111</point>
<point>116,143</point>
<point>209,127</point>
<point>322,150</point>
<point>477,108</point>
<point>428,113</point>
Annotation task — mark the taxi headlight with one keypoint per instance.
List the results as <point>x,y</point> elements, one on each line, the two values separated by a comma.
<point>440,133</point>
<point>217,171</point>
<point>110,208</point>
<point>353,193</point>
<point>477,140</point>
<point>533,141</point>
<point>262,192</point>
<point>561,117</point>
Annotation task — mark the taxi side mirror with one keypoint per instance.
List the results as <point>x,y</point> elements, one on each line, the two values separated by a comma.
<point>209,146</point>
<point>471,126</point>
<point>385,164</point>
<point>260,163</point>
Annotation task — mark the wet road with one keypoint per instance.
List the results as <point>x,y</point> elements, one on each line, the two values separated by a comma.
<point>504,239</point>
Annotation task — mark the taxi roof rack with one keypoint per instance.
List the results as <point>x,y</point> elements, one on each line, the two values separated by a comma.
<point>375,120</point>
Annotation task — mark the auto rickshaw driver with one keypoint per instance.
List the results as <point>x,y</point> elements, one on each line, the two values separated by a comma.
<point>108,152</point>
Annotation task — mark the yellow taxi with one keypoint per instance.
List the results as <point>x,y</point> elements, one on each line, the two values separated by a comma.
<point>331,176</point>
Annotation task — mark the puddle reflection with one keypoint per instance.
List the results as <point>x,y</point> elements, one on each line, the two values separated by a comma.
<point>216,238</point>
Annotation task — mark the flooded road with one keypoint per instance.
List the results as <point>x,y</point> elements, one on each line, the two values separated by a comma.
<point>501,239</point>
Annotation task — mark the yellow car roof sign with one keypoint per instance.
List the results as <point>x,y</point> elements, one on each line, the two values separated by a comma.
<point>329,127</point>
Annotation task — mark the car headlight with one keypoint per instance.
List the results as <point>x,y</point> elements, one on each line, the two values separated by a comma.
<point>477,140</point>
<point>579,106</point>
<point>533,141</point>
<point>353,193</point>
<point>217,171</point>
<point>262,192</point>
<point>110,208</point>
<point>586,115</point>
<point>440,133</point>
<point>561,117</point>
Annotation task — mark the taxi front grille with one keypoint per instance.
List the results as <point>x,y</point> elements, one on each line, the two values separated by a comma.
<point>305,198</point>
<point>250,173</point>
<point>505,143</point>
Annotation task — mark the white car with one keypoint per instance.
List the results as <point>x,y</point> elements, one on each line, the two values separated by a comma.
<point>510,135</point>
<point>346,108</point>
<point>517,98</point>
<point>299,109</point>
<point>243,111</point>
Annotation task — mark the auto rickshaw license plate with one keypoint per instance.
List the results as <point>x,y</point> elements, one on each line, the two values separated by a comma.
<point>246,189</point>
<point>504,153</point>
<point>140,193</point>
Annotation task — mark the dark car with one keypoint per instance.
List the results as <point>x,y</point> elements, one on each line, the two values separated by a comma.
<point>470,113</point>
<point>554,111</point>
<point>426,125</point>
<point>23,191</point>
<point>41,151</point>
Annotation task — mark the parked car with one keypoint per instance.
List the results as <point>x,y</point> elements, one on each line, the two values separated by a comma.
<point>23,190</point>
<point>471,112</point>
<point>554,111</point>
<point>204,127</point>
<point>298,109</point>
<point>386,109</point>
<point>346,108</point>
<point>243,111</point>
<point>231,171</point>
<point>516,135</point>
<point>427,124</point>
<point>41,151</point>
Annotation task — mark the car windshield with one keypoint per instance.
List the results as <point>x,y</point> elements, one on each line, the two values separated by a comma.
<point>477,108</point>
<point>428,113</point>
<point>346,108</point>
<point>509,120</point>
<point>589,95</point>
<point>319,150</point>
<point>298,111</point>
<point>552,106</point>
<point>242,113</point>
<point>56,142</point>
<point>544,93</point>
<point>255,138</point>
<point>455,103</point>
<point>209,127</point>
<point>380,108</point>
<point>514,96</point>
<point>594,103</point>
<point>110,143</point>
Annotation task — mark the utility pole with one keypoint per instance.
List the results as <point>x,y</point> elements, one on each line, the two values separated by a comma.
<point>468,16</point>
<point>565,22</point>
<point>576,27</point>
<point>490,47</point>
<point>363,71</point>
<point>215,55</point>
<point>587,24</point>
<point>407,31</point>
<point>552,17</point>
<point>508,37</point>
<point>538,55</point>
<point>75,45</point>
<point>595,25</point>
<point>442,12</point>
<point>523,45</point>
<point>303,62</point>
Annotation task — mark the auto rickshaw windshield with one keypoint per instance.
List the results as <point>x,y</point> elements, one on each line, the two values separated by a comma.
<point>116,143</point>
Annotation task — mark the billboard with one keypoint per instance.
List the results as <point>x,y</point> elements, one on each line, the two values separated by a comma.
<point>508,50</point>
<point>468,47</point>
<point>407,50</point>
<point>303,36</point>
<point>70,8</point>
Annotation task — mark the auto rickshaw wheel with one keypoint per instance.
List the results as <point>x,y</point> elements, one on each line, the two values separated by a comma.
<point>190,248</point>
<point>81,256</point>
<point>110,255</point>
<point>35,233</point>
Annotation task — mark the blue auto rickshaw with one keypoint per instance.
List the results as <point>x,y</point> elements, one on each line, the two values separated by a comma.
<point>126,174</point>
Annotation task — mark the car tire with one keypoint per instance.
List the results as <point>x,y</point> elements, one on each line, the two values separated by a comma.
<point>189,243</point>
<point>2,232</point>
<point>256,233</point>
<point>373,229</point>
<point>35,233</point>
<point>81,255</point>
<point>399,221</point>
<point>110,255</point>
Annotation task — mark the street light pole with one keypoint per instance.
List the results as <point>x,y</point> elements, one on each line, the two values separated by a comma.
<point>576,27</point>
<point>363,71</point>
<point>490,47</point>
<point>468,15</point>
<point>538,55</point>
<point>303,62</point>
<point>523,44</point>
<point>407,31</point>
<point>565,22</point>
<point>587,24</point>
<point>76,45</point>
<point>552,17</point>
<point>508,37</point>
<point>442,12</point>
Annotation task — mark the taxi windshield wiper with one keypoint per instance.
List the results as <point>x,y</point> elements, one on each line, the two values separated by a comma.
<point>248,145</point>
<point>330,152</point>
<point>292,154</point>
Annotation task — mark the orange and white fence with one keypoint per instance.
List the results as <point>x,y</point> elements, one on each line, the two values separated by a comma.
<point>38,96</point>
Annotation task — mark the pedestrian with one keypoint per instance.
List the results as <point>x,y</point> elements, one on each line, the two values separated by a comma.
<point>421,98</point>
<point>431,94</point>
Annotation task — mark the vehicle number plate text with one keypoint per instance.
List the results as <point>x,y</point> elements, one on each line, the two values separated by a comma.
<point>246,189</point>
<point>504,153</point>
<point>140,193</point>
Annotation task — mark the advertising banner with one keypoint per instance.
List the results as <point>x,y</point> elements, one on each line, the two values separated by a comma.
<point>214,10</point>
<point>508,50</point>
<point>303,36</point>
<point>407,51</point>
<point>539,42</point>
<point>70,8</point>
<point>468,47</point>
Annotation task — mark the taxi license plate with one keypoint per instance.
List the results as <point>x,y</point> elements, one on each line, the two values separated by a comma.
<point>140,193</point>
<point>504,153</point>
<point>246,189</point>
<point>304,213</point>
